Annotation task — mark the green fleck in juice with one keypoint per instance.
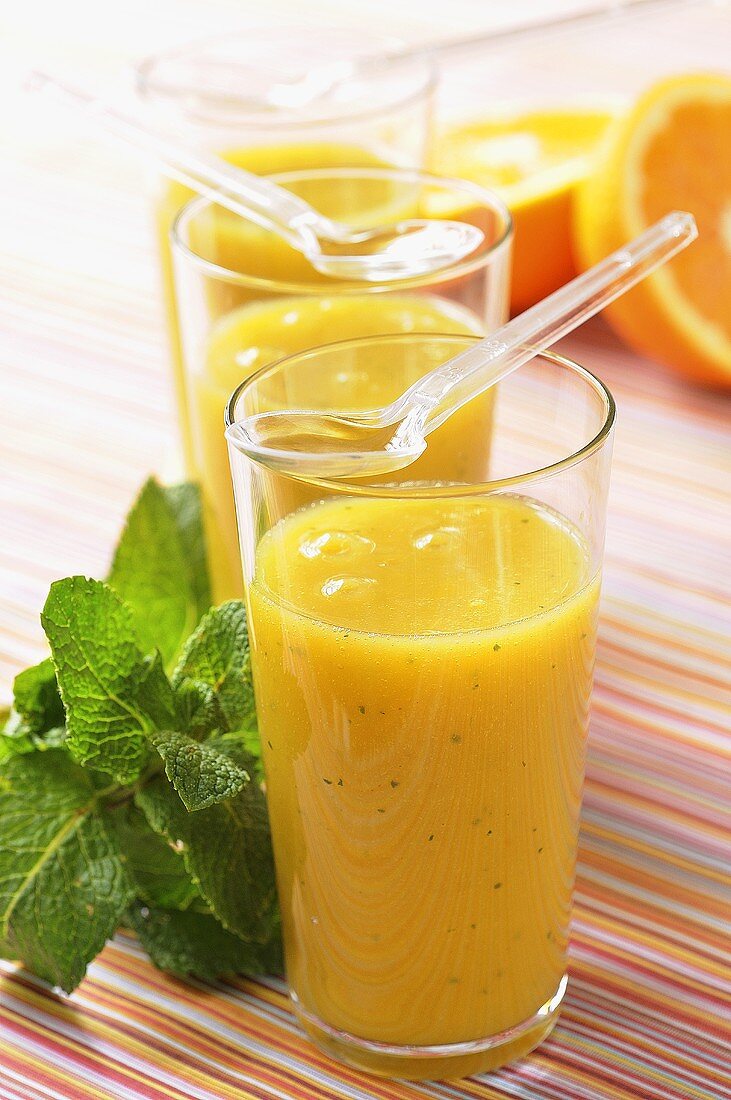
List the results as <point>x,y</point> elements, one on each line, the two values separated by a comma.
<point>255,335</point>
<point>422,670</point>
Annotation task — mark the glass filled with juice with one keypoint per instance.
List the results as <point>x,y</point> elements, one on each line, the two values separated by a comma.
<point>246,298</point>
<point>422,654</point>
<point>237,96</point>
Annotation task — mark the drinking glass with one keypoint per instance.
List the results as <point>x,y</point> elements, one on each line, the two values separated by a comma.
<point>204,91</point>
<point>422,653</point>
<point>246,298</point>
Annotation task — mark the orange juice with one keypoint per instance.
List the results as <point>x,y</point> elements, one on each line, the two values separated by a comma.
<point>422,670</point>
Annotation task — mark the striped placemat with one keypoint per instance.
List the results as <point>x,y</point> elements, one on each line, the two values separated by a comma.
<point>647,1010</point>
<point>85,416</point>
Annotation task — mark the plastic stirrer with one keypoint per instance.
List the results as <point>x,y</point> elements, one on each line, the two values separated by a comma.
<point>404,249</point>
<point>379,441</point>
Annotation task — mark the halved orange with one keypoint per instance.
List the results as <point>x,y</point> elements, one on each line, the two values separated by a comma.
<point>534,160</point>
<point>672,152</point>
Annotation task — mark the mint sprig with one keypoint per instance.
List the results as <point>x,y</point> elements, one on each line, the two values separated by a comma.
<point>159,567</point>
<point>200,773</point>
<point>216,658</point>
<point>37,702</point>
<point>102,676</point>
<point>156,869</point>
<point>130,773</point>
<point>192,943</point>
<point>63,885</point>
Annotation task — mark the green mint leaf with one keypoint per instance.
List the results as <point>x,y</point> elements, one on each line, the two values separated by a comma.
<point>198,709</point>
<point>154,695</point>
<point>37,718</point>
<point>37,699</point>
<point>227,851</point>
<point>185,501</point>
<point>14,738</point>
<point>63,886</point>
<point>192,943</point>
<point>252,746</point>
<point>34,819</point>
<point>243,747</point>
<point>15,746</point>
<point>201,774</point>
<point>159,567</point>
<point>217,654</point>
<point>102,675</point>
<point>271,953</point>
<point>156,869</point>
<point>63,922</point>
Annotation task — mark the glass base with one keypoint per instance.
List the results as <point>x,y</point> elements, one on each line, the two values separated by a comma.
<point>434,1062</point>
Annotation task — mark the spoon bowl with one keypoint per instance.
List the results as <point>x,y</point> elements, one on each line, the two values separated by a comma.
<point>334,443</point>
<point>408,248</point>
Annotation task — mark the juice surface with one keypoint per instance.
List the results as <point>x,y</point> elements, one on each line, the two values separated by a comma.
<point>422,671</point>
<point>254,335</point>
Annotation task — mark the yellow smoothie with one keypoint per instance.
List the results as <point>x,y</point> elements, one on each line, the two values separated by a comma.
<point>229,239</point>
<point>255,335</point>
<point>422,671</point>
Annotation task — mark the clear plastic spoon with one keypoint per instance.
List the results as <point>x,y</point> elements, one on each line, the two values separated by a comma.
<point>380,441</point>
<point>407,248</point>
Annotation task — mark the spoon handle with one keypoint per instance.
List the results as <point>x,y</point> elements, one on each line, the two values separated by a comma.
<point>619,10</point>
<point>257,199</point>
<point>439,394</point>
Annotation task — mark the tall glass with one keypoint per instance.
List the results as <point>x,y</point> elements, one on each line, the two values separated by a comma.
<point>422,656</point>
<point>245,299</point>
<point>209,91</point>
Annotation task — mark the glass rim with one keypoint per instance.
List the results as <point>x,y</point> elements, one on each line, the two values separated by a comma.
<point>149,87</point>
<point>357,487</point>
<point>487,198</point>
